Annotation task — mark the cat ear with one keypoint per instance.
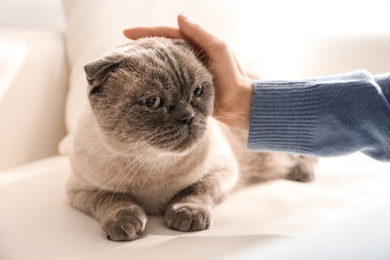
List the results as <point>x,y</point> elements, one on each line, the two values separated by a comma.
<point>96,70</point>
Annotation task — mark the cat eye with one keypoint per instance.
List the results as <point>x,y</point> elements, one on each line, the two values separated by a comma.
<point>198,91</point>
<point>153,102</point>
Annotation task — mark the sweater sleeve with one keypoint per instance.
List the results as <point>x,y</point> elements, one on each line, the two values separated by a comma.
<point>323,117</point>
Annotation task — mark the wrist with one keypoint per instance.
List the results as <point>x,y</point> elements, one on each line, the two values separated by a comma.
<point>243,105</point>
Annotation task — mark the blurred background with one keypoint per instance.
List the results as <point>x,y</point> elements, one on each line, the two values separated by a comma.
<point>31,14</point>
<point>278,31</point>
<point>273,39</point>
<point>268,16</point>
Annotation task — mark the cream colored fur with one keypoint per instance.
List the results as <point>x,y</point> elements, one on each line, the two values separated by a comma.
<point>151,176</point>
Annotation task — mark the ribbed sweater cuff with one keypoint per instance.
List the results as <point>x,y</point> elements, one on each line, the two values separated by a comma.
<point>384,82</point>
<point>283,116</point>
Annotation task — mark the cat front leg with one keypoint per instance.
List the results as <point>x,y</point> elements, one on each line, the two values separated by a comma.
<point>121,218</point>
<point>189,211</point>
<point>191,208</point>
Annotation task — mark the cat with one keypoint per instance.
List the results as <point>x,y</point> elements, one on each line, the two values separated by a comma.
<point>147,144</point>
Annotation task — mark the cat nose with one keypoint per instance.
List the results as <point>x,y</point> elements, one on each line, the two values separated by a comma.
<point>187,119</point>
<point>184,113</point>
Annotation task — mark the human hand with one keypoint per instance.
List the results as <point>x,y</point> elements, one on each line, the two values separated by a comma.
<point>233,88</point>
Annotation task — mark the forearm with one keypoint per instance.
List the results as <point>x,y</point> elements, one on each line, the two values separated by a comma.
<point>327,116</point>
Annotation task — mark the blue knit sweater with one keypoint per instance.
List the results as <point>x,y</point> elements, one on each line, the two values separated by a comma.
<point>324,117</point>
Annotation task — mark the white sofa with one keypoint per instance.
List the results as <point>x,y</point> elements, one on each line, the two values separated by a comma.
<point>42,87</point>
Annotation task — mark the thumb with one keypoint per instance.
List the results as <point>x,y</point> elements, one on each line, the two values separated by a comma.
<point>195,33</point>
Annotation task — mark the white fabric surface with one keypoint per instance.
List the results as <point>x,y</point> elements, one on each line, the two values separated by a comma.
<point>37,223</point>
<point>363,237</point>
<point>33,86</point>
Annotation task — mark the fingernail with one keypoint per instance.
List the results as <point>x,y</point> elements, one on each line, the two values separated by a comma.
<point>185,17</point>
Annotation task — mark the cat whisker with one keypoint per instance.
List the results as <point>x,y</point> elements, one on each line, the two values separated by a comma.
<point>163,168</point>
<point>113,176</point>
<point>152,133</point>
<point>136,161</point>
<point>203,49</point>
<point>147,177</point>
<point>109,158</point>
<point>115,136</point>
<point>140,163</point>
<point>132,146</point>
<point>123,153</point>
<point>213,67</point>
<point>145,159</point>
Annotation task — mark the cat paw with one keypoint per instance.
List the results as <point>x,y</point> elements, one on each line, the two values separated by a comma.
<point>125,225</point>
<point>188,217</point>
<point>303,171</point>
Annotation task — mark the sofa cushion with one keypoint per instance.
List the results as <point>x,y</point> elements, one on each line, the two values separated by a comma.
<point>33,87</point>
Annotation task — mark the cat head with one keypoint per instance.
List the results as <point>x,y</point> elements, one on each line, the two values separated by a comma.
<point>152,90</point>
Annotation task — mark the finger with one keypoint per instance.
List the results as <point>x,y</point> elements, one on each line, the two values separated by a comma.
<point>195,33</point>
<point>162,31</point>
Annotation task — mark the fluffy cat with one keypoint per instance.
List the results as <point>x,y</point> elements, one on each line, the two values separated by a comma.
<point>147,143</point>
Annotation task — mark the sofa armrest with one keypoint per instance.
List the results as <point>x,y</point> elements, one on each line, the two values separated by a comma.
<point>33,86</point>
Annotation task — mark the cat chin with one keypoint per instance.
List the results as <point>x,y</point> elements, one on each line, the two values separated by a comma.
<point>175,148</point>
<point>184,144</point>
<point>184,148</point>
<point>177,153</point>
